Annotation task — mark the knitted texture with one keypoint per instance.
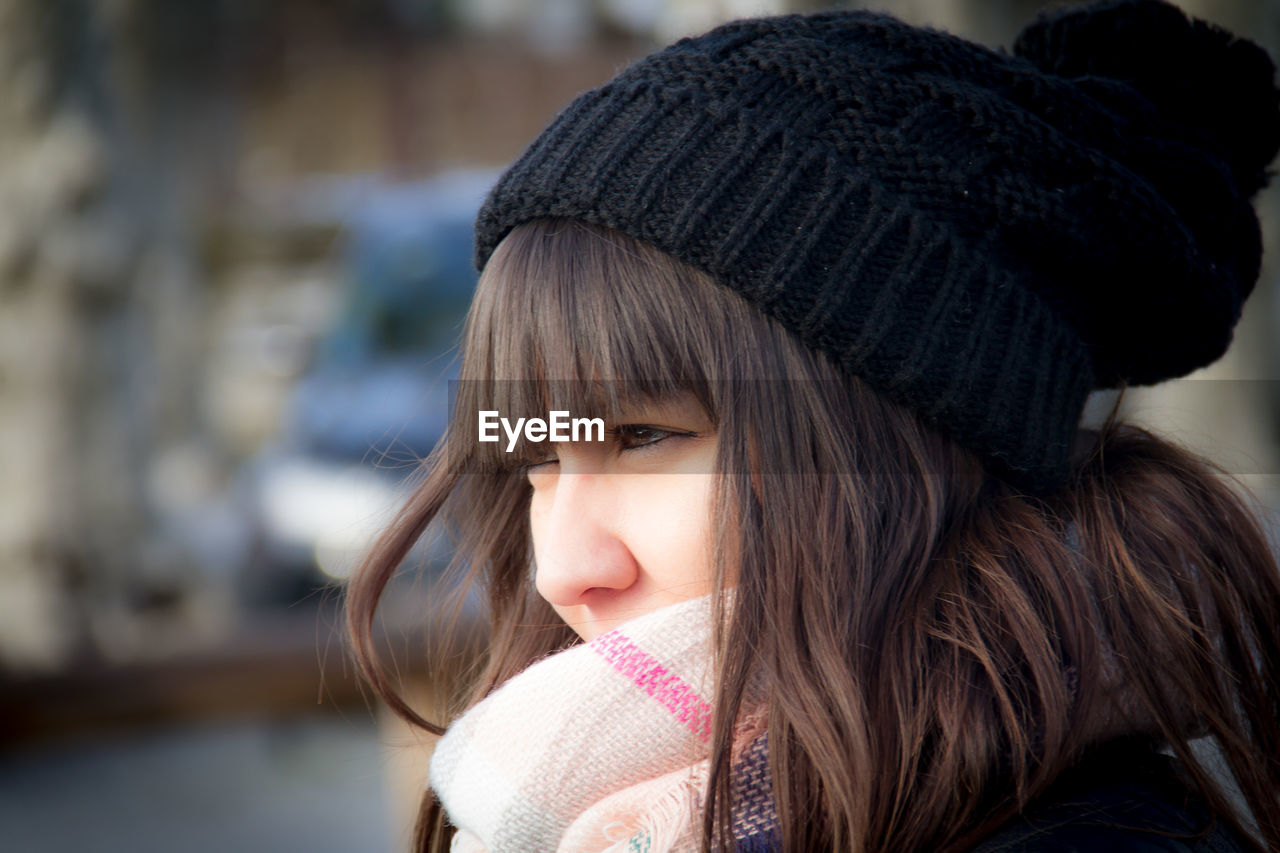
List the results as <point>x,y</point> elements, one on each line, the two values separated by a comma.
<point>603,746</point>
<point>983,237</point>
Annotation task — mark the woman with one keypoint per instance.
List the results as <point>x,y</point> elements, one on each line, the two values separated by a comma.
<point>848,574</point>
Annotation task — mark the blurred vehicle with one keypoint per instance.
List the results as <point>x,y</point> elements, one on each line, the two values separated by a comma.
<point>375,399</point>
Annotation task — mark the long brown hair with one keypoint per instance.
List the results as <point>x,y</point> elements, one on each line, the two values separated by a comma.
<point>937,645</point>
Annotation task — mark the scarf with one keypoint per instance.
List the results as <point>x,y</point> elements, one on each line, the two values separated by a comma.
<point>603,746</point>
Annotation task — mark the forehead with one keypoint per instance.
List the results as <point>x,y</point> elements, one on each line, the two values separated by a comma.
<point>569,317</point>
<point>569,301</point>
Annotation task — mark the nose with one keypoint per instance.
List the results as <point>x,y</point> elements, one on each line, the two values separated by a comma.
<point>579,553</point>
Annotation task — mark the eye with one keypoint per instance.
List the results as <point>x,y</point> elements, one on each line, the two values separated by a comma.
<point>530,467</point>
<point>627,437</point>
<point>636,436</point>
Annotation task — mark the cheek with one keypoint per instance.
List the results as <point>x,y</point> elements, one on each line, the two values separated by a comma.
<point>669,522</point>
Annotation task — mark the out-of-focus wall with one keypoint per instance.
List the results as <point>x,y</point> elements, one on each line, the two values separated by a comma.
<point>53,162</point>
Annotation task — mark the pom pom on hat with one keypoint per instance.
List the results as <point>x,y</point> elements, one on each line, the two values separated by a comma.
<point>1218,87</point>
<point>1196,118</point>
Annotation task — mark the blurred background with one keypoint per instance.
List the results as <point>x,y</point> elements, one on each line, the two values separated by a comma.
<point>235,244</point>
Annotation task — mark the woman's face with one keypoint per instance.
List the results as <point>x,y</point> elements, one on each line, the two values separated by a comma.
<point>623,527</point>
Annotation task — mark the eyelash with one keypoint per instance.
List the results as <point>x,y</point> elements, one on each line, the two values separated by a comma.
<point>618,433</point>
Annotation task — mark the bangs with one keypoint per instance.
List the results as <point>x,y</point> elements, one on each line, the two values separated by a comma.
<point>570,316</point>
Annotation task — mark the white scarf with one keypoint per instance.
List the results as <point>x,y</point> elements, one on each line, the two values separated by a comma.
<point>600,747</point>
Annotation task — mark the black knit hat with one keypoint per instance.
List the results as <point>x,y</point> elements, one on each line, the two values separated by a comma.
<point>983,237</point>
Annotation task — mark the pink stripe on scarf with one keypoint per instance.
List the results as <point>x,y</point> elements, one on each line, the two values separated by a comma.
<point>648,673</point>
